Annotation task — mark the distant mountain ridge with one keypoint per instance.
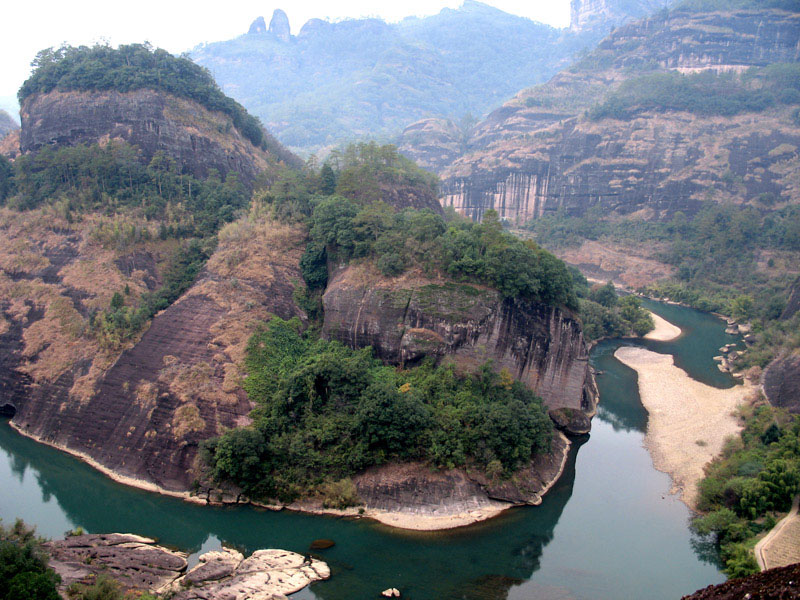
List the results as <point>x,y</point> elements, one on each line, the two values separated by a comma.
<point>664,114</point>
<point>364,77</point>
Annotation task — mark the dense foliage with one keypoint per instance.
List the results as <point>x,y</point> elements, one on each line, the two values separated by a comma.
<point>604,314</point>
<point>753,481</point>
<point>133,67</point>
<point>24,574</point>
<point>705,93</point>
<point>325,412</point>
<point>111,178</point>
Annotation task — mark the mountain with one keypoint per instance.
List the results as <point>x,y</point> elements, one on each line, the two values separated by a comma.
<point>7,124</point>
<point>364,77</point>
<point>663,114</point>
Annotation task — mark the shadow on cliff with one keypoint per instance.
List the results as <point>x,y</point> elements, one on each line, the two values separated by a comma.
<point>488,558</point>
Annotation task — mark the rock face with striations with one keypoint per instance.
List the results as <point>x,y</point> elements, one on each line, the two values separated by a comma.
<point>782,383</point>
<point>198,139</point>
<point>539,153</point>
<point>139,411</point>
<point>409,318</point>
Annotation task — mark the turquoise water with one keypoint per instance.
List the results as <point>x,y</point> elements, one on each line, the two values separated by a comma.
<point>608,529</point>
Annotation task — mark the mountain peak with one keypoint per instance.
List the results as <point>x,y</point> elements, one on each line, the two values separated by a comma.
<point>279,25</point>
<point>258,26</point>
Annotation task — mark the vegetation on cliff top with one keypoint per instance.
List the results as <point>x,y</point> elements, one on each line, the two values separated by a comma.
<point>132,67</point>
<point>747,488</point>
<point>326,412</point>
<point>349,221</point>
<point>24,574</point>
<point>705,93</point>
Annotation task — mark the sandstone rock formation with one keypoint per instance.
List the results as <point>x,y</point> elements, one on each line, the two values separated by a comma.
<point>136,562</point>
<point>606,14</point>
<point>279,25</point>
<point>139,411</point>
<point>197,138</point>
<point>139,565</point>
<point>411,317</point>
<point>782,383</point>
<point>539,153</point>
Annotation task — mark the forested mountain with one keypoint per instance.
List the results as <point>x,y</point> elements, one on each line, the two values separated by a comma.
<point>365,77</point>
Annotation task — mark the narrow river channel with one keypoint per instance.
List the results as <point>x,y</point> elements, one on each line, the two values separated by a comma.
<point>608,530</point>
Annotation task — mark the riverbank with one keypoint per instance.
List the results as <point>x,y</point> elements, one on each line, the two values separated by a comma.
<point>438,518</point>
<point>664,331</point>
<point>688,421</point>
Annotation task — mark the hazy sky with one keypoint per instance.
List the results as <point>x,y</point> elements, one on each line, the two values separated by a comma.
<point>178,25</point>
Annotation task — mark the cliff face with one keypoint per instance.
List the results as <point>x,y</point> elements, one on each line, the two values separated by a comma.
<point>539,152</point>
<point>409,318</point>
<point>142,410</point>
<point>198,139</point>
<point>782,383</point>
<point>604,14</point>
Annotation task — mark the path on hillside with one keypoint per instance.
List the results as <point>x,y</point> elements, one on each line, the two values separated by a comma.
<point>781,546</point>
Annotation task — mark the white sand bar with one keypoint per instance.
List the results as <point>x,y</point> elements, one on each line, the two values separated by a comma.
<point>688,420</point>
<point>664,330</point>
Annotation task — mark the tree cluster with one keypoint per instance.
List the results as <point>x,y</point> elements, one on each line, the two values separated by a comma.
<point>325,412</point>
<point>753,481</point>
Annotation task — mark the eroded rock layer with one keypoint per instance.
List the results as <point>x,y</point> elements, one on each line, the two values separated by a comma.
<point>198,139</point>
<point>408,318</point>
<point>142,409</point>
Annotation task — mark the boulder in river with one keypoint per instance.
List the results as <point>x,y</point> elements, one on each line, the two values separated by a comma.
<point>573,422</point>
<point>322,544</point>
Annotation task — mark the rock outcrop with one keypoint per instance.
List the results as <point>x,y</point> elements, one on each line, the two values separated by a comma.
<point>139,565</point>
<point>408,318</point>
<point>138,412</point>
<point>136,562</point>
<point>606,14</point>
<point>540,153</point>
<point>416,490</point>
<point>782,383</point>
<point>774,584</point>
<point>198,139</point>
<point>279,26</point>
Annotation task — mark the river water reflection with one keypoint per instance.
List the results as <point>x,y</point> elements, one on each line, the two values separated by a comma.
<point>608,529</point>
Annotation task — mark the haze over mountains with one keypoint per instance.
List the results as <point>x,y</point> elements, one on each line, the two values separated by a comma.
<point>331,82</point>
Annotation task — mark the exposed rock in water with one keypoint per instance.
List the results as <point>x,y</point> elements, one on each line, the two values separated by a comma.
<point>197,138</point>
<point>322,544</point>
<point>139,565</point>
<point>782,583</point>
<point>136,562</point>
<point>408,318</point>
<point>782,383</point>
<point>571,421</point>
<point>264,575</point>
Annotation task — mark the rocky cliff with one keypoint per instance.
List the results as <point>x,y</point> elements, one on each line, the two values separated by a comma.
<point>141,410</point>
<point>412,317</point>
<point>197,138</point>
<point>606,14</point>
<point>541,152</point>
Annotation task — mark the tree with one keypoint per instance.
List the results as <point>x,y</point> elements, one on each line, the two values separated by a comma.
<point>605,295</point>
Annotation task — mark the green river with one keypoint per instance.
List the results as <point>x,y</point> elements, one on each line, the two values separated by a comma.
<point>608,530</point>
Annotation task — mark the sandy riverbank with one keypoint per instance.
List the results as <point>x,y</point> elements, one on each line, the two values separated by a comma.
<point>417,521</point>
<point>688,420</point>
<point>664,330</point>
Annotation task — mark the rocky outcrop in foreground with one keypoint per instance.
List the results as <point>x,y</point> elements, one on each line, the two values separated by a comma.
<point>411,317</point>
<point>776,584</point>
<point>782,383</point>
<point>140,565</point>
